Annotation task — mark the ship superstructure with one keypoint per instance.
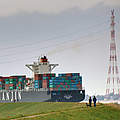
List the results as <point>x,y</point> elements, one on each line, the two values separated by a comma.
<point>42,66</point>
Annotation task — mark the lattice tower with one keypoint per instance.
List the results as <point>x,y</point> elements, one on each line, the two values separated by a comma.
<point>113,81</point>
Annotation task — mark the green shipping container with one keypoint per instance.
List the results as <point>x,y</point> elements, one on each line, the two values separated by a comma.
<point>52,86</point>
<point>6,82</point>
<point>11,88</point>
<point>12,82</point>
<point>6,79</point>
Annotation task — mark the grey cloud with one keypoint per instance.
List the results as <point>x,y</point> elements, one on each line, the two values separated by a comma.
<point>112,2</point>
<point>11,7</point>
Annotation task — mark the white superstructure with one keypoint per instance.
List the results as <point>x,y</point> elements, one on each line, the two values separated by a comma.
<point>42,66</point>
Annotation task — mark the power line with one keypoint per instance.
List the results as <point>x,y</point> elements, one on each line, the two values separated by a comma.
<point>52,38</point>
<point>24,59</point>
<point>63,42</point>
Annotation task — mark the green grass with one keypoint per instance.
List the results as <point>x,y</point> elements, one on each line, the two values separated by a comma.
<point>59,111</point>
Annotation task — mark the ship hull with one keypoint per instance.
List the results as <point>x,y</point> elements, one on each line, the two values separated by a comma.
<point>68,96</point>
<point>42,96</point>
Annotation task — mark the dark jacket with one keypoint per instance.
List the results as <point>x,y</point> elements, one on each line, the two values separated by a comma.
<point>90,100</point>
<point>94,99</point>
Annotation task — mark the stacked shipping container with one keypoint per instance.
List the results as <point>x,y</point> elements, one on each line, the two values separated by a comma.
<point>2,83</point>
<point>12,82</point>
<point>6,79</point>
<point>46,78</point>
<point>21,82</point>
<point>68,81</point>
<point>42,80</point>
<point>38,81</point>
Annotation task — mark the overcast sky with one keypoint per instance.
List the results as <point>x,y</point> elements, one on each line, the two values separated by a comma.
<point>12,7</point>
<point>73,33</point>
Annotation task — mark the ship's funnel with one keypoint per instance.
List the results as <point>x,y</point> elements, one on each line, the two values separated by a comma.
<point>43,59</point>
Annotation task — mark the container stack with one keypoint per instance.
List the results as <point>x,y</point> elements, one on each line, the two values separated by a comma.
<point>12,82</point>
<point>38,81</point>
<point>42,80</point>
<point>68,81</point>
<point>7,82</point>
<point>2,83</point>
<point>20,82</point>
<point>46,78</point>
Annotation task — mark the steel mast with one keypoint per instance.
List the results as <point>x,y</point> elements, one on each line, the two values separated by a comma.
<point>113,81</point>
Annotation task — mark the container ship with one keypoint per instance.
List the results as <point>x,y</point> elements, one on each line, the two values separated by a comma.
<point>45,86</point>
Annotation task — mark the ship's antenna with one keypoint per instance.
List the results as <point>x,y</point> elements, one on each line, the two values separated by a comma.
<point>39,59</point>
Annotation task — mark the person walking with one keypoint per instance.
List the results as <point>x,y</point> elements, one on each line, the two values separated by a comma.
<point>90,101</point>
<point>94,100</point>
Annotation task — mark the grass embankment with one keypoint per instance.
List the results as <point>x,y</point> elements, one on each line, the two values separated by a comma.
<point>59,111</point>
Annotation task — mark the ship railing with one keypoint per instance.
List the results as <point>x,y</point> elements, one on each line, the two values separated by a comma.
<point>33,89</point>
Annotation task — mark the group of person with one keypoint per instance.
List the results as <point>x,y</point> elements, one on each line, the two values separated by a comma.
<point>94,101</point>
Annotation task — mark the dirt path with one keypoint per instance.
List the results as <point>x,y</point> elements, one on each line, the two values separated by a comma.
<point>33,116</point>
<point>44,114</point>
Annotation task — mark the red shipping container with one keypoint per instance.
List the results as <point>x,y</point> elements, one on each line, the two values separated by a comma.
<point>6,84</point>
<point>5,78</point>
<point>67,89</point>
<point>60,89</point>
<point>53,75</point>
<point>73,81</point>
<point>79,86</point>
<point>44,83</point>
<point>7,87</point>
<point>13,77</point>
<point>69,74</point>
<point>46,75</point>
<point>1,79</point>
<point>38,76</point>
<point>58,85</point>
<point>68,86</point>
<point>64,86</point>
<point>11,85</point>
<point>55,89</point>
<point>49,75</point>
<point>19,82</point>
<point>61,83</point>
